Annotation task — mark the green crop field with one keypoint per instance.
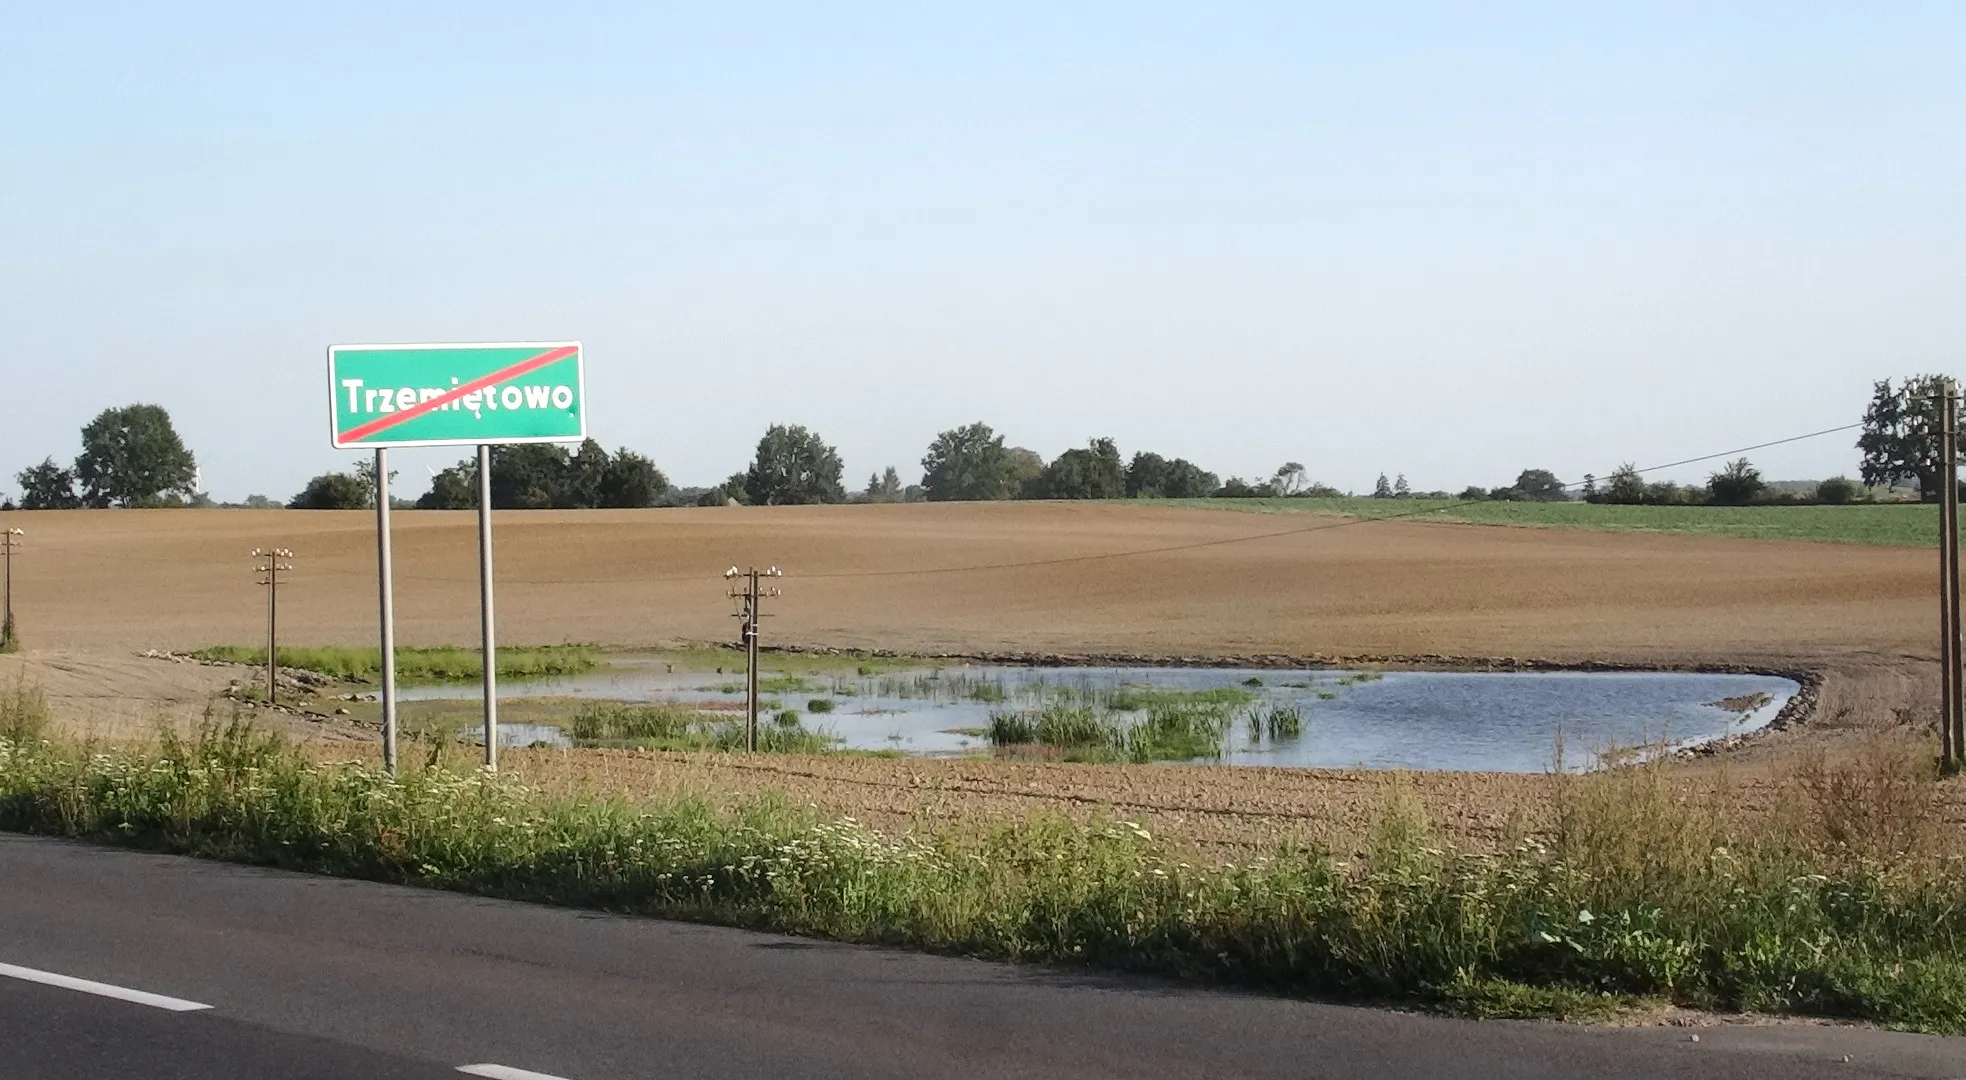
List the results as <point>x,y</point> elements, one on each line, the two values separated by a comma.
<point>1886,524</point>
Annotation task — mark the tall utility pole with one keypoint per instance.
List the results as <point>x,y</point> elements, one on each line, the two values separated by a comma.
<point>9,638</point>
<point>267,565</point>
<point>747,597</point>
<point>1952,712</point>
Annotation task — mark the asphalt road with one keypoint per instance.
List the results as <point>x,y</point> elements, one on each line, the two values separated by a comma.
<point>286,976</point>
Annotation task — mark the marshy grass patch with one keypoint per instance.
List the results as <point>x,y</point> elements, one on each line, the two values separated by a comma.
<point>666,726</point>
<point>417,664</point>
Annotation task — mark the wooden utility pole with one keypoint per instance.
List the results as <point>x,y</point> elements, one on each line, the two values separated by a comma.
<point>748,598</point>
<point>9,637</point>
<point>267,564</point>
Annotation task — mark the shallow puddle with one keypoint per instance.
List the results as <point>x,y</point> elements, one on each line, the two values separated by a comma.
<point>1502,721</point>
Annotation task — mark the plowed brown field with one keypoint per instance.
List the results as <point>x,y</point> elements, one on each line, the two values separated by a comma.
<point>1080,578</point>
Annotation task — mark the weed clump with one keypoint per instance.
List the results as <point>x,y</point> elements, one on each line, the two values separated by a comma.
<point>23,714</point>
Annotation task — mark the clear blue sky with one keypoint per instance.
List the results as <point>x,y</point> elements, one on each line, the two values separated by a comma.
<point>1423,241</point>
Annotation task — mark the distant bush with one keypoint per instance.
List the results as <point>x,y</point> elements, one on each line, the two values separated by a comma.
<point>1095,472</point>
<point>1838,491</point>
<point>334,491</point>
<point>1235,487</point>
<point>1737,484</point>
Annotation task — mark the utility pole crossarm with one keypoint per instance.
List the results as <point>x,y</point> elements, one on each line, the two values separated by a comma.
<point>268,565</point>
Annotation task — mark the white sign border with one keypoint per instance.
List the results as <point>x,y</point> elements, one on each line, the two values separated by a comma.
<point>580,377</point>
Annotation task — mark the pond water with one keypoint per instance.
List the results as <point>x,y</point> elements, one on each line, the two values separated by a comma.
<point>521,735</point>
<point>1500,721</point>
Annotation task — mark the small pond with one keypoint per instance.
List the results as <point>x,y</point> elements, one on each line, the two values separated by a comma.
<point>1502,721</point>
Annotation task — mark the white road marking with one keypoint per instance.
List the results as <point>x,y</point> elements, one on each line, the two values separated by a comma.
<point>505,1072</point>
<point>49,978</point>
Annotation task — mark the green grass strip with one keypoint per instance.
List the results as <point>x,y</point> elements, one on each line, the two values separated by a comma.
<point>440,663</point>
<point>1607,912</point>
<point>1878,524</point>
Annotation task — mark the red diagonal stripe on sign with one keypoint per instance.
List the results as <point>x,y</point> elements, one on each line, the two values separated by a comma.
<point>384,423</point>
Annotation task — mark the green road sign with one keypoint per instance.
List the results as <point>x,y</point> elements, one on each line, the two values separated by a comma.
<point>446,395</point>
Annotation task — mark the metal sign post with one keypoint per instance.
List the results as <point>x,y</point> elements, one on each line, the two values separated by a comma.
<point>486,622</point>
<point>385,574</point>
<point>451,395</point>
<point>1952,694</point>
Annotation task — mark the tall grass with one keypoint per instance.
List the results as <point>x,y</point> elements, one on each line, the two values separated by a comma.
<point>1171,730</point>
<point>662,726</point>
<point>1274,721</point>
<point>1633,894</point>
<point>440,663</point>
<point>23,714</point>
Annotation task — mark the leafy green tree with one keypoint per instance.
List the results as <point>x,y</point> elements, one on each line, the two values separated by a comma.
<point>1402,489</point>
<point>1092,473</point>
<point>1736,484</point>
<point>884,487</point>
<point>529,476</point>
<point>1186,480</point>
<point>1540,485</point>
<point>1900,434</point>
<point>583,476</point>
<point>629,480</point>
<point>1837,491</point>
<point>793,466</point>
<point>47,486</point>
<point>131,456</point>
<point>1026,466</point>
<point>1474,493</point>
<point>1289,479</point>
<point>1150,476</point>
<point>455,488</point>
<point>1626,487</point>
<point>335,491</point>
<point>1383,489</point>
<point>1146,476</point>
<point>1667,493</point>
<point>968,464</point>
<point>1235,487</point>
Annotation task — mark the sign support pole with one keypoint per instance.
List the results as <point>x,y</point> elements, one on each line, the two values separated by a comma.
<point>386,590</point>
<point>485,605</point>
<point>1949,645</point>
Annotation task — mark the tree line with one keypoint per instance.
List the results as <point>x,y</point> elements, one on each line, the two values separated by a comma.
<point>974,463</point>
<point>133,457</point>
